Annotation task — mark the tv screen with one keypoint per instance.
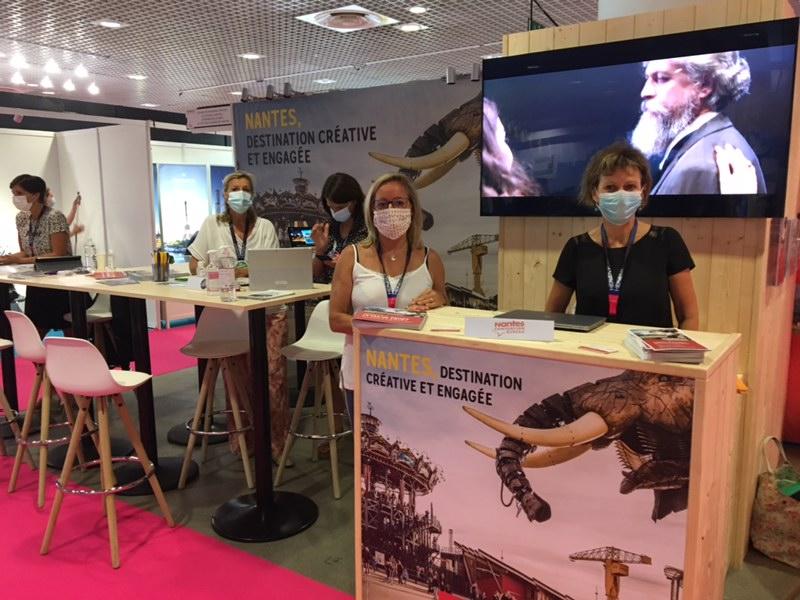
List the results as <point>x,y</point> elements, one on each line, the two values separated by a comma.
<point>694,103</point>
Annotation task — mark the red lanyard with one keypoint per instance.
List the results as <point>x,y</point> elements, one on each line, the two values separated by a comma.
<point>614,285</point>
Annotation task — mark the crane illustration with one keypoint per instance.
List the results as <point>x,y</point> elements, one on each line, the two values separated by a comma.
<point>477,244</point>
<point>675,577</point>
<point>614,562</point>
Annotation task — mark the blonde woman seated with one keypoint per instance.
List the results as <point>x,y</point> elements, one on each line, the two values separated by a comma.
<point>392,267</point>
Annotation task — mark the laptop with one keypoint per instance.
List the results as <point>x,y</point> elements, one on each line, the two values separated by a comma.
<point>280,269</point>
<point>300,236</point>
<point>52,264</point>
<point>562,320</point>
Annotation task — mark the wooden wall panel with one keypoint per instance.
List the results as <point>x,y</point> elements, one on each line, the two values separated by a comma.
<point>710,14</point>
<point>679,19</point>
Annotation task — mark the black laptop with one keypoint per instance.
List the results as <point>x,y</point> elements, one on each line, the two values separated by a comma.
<point>53,264</point>
<point>562,320</point>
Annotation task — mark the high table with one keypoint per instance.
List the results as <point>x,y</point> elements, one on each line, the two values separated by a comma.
<point>613,462</point>
<point>263,516</point>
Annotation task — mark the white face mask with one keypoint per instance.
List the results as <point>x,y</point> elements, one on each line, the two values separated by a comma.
<point>21,202</point>
<point>342,215</point>
<point>392,222</point>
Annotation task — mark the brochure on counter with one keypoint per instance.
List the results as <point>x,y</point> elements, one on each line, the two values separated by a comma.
<point>664,345</point>
<point>382,316</point>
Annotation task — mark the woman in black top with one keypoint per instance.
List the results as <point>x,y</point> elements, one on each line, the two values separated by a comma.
<point>343,200</point>
<point>624,269</point>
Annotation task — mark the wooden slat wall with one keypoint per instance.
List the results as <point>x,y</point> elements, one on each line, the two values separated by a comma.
<point>730,254</point>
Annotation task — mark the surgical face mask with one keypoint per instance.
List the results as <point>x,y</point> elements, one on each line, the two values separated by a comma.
<point>342,215</point>
<point>21,202</point>
<point>240,201</point>
<point>392,222</point>
<point>618,207</point>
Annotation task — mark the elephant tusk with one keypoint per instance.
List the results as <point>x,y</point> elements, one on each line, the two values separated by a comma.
<point>450,151</point>
<point>548,457</point>
<point>587,428</point>
<point>433,175</point>
<point>490,452</point>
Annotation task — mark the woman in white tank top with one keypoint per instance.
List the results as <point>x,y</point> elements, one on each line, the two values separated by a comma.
<point>391,267</point>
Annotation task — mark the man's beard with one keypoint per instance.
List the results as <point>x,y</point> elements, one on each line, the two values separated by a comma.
<point>655,130</point>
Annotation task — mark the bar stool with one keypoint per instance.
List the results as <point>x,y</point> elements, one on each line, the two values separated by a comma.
<point>320,348</point>
<point>28,346</point>
<point>98,319</point>
<point>9,416</point>
<point>76,367</point>
<point>222,338</point>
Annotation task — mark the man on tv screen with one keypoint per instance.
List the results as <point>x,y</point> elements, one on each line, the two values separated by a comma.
<point>682,127</point>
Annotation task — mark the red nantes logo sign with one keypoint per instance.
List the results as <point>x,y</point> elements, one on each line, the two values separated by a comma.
<point>510,327</point>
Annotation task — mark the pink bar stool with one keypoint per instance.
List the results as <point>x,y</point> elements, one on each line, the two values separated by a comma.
<point>222,338</point>
<point>76,367</point>
<point>9,416</point>
<point>28,346</point>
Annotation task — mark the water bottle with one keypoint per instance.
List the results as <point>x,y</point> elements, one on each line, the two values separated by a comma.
<point>212,273</point>
<point>90,255</point>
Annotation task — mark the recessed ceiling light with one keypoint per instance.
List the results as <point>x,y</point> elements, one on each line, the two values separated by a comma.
<point>417,10</point>
<point>93,89</point>
<point>348,18</point>
<point>137,77</point>
<point>325,81</point>
<point>250,56</point>
<point>32,84</point>
<point>491,56</point>
<point>48,92</point>
<point>80,71</point>
<point>109,24</point>
<point>17,78</point>
<point>46,82</point>
<point>236,93</point>
<point>68,85</point>
<point>18,62</point>
<point>411,27</point>
<point>149,105</point>
<point>51,67</point>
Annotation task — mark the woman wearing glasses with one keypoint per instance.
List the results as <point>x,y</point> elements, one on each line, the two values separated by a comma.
<point>392,267</point>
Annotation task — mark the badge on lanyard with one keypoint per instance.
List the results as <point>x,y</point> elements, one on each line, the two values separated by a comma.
<point>615,284</point>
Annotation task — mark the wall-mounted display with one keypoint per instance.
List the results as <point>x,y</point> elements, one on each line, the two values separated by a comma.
<point>710,109</point>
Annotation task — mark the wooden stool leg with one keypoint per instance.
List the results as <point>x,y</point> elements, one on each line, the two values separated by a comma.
<point>237,421</point>
<point>108,474</point>
<point>209,378</point>
<point>12,423</point>
<point>65,402</point>
<point>209,416</point>
<point>45,433</point>
<point>317,409</point>
<point>133,434</point>
<point>66,470</point>
<point>334,453</point>
<point>26,429</point>
<point>298,412</point>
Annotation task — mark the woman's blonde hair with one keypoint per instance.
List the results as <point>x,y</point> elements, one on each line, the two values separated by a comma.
<point>414,233</point>
<point>225,216</point>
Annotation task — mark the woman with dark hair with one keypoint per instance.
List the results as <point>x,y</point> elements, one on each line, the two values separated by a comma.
<point>42,231</point>
<point>343,201</point>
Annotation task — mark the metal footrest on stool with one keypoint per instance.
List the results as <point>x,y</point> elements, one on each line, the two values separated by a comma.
<point>217,433</point>
<point>321,436</point>
<point>81,491</point>
<point>52,441</point>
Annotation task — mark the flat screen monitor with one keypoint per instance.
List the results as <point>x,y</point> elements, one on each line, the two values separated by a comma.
<point>300,236</point>
<point>678,98</point>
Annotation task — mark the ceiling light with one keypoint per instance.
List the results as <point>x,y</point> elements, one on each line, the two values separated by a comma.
<point>17,78</point>
<point>109,24</point>
<point>491,56</point>
<point>347,18</point>
<point>51,67</point>
<point>48,93</point>
<point>137,77</point>
<point>32,84</point>
<point>325,81</point>
<point>417,10</point>
<point>18,62</point>
<point>411,27</point>
<point>69,86</point>
<point>93,89</point>
<point>250,56</point>
<point>149,105</point>
<point>46,82</point>
<point>236,93</point>
<point>80,71</point>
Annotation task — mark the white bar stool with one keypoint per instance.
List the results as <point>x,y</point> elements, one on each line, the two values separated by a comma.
<point>28,346</point>
<point>76,367</point>
<point>222,338</point>
<point>9,416</point>
<point>320,348</point>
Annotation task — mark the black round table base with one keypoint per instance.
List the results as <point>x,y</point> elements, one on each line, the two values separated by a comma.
<point>57,455</point>
<point>179,435</point>
<point>168,472</point>
<point>241,519</point>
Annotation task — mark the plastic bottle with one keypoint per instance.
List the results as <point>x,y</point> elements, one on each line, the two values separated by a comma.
<point>90,255</point>
<point>226,258</point>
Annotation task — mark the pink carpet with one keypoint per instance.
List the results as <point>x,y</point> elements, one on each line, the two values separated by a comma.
<point>165,357</point>
<point>157,562</point>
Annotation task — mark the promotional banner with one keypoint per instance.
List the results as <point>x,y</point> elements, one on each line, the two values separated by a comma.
<point>488,475</point>
<point>292,145</point>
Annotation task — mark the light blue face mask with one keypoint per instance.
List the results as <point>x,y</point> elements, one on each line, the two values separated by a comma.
<point>240,201</point>
<point>619,207</point>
